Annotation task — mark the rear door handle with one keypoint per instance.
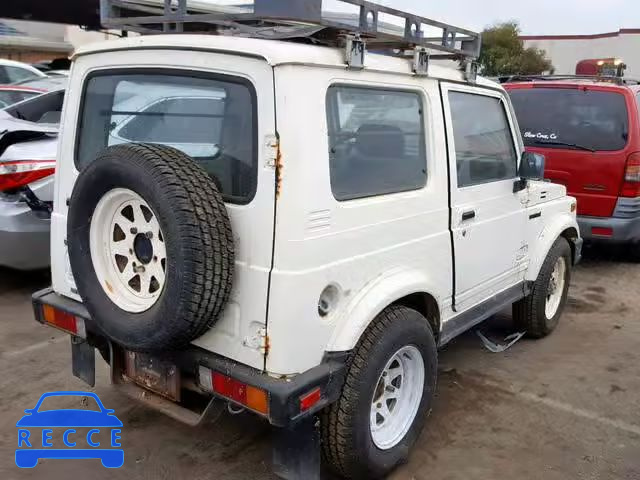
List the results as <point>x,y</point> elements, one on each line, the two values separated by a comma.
<point>469,215</point>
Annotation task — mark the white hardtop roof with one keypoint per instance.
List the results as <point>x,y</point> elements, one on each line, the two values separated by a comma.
<point>274,52</point>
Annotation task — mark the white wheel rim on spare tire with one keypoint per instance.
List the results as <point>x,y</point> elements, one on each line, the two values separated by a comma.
<point>555,288</point>
<point>128,251</point>
<point>397,397</point>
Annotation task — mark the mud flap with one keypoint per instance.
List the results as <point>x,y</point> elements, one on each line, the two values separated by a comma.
<point>296,451</point>
<point>83,361</point>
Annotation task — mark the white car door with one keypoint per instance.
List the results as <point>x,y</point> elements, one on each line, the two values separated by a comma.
<point>487,217</point>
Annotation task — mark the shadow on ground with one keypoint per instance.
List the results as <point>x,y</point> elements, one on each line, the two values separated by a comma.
<point>18,281</point>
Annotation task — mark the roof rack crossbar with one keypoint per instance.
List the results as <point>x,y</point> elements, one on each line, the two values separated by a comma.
<point>158,16</point>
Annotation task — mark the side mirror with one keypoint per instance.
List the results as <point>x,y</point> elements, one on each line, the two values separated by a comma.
<point>532,166</point>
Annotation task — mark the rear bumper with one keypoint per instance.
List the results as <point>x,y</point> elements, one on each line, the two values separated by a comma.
<point>622,227</point>
<point>623,230</point>
<point>24,237</point>
<point>284,394</point>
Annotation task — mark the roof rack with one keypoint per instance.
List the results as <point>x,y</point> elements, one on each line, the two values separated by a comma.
<point>586,78</point>
<point>295,19</point>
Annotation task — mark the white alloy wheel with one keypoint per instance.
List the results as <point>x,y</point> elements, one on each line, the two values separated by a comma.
<point>397,397</point>
<point>555,289</point>
<point>127,250</point>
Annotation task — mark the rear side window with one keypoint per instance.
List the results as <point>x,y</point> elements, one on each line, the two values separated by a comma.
<point>213,120</point>
<point>572,118</point>
<point>376,142</point>
<point>484,146</point>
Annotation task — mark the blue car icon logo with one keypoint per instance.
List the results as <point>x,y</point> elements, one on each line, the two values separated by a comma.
<point>36,433</point>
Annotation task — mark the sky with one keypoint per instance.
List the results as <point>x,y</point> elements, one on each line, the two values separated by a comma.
<point>536,17</point>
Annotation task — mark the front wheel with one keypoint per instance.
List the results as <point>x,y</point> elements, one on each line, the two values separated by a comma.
<point>386,397</point>
<point>539,312</point>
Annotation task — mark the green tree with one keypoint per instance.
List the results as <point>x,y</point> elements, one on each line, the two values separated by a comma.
<point>503,53</point>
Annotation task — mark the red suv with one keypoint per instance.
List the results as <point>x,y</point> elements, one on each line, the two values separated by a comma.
<point>589,131</point>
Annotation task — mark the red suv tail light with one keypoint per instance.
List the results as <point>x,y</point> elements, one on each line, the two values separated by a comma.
<point>631,185</point>
<point>17,174</point>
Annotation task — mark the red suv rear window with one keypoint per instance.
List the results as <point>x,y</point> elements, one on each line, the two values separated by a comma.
<point>560,117</point>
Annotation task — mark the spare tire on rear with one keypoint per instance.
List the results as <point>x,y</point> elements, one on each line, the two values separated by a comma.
<point>150,246</point>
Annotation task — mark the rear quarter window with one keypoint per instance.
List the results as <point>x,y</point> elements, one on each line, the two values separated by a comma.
<point>376,141</point>
<point>593,119</point>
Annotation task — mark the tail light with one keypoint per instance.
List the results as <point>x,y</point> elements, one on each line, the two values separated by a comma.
<point>16,174</point>
<point>631,185</point>
<point>63,321</point>
<point>249,396</point>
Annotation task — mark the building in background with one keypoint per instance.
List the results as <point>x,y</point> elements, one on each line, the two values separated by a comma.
<point>566,51</point>
<point>33,42</point>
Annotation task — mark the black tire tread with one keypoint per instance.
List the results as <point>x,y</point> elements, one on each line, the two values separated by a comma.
<point>204,235</point>
<point>336,421</point>
<point>207,234</point>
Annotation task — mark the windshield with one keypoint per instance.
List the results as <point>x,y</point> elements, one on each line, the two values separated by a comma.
<point>589,119</point>
<point>210,119</point>
<point>9,97</point>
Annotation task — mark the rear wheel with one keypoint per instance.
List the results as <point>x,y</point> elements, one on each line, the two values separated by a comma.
<point>150,245</point>
<point>386,397</point>
<point>539,312</point>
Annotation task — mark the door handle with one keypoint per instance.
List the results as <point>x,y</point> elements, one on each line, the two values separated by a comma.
<point>469,215</point>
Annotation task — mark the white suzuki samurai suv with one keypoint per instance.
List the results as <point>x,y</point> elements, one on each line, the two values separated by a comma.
<point>291,228</point>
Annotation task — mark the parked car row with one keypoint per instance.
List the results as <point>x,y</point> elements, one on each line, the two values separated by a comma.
<point>587,128</point>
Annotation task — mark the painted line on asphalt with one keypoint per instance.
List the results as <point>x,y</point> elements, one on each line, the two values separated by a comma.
<point>565,407</point>
<point>34,347</point>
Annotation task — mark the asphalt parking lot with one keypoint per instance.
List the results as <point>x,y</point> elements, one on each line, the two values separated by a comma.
<point>567,407</point>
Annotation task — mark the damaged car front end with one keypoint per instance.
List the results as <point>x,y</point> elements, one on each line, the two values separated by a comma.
<point>27,165</point>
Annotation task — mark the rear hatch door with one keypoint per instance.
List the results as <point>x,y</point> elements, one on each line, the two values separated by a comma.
<point>216,107</point>
<point>583,130</point>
